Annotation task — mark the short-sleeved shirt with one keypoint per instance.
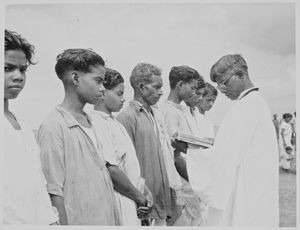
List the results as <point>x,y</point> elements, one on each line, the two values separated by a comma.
<point>150,156</point>
<point>118,150</point>
<point>75,170</point>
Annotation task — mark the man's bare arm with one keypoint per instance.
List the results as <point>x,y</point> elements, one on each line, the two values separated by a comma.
<point>58,202</point>
<point>180,165</point>
<point>123,185</point>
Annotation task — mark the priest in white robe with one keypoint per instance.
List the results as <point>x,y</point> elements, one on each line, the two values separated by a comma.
<point>239,174</point>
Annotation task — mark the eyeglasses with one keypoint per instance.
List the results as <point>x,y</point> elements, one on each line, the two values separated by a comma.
<point>222,84</point>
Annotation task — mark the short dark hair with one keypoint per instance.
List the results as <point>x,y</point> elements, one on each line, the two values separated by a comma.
<point>287,148</point>
<point>14,41</point>
<point>185,74</point>
<point>231,63</point>
<point>209,88</point>
<point>112,78</point>
<point>78,60</point>
<point>287,115</point>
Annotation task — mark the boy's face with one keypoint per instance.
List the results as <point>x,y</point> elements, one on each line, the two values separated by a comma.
<point>288,119</point>
<point>90,87</point>
<point>207,101</point>
<point>152,92</point>
<point>15,66</point>
<point>289,151</point>
<point>113,98</point>
<point>187,90</point>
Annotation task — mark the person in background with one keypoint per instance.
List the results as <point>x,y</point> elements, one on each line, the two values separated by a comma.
<point>285,162</point>
<point>77,178</point>
<point>293,123</point>
<point>276,125</point>
<point>131,192</point>
<point>184,83</point>
<point>206,103</point>
<point>25,198</point>
<point>146,133</point>
<point>286,132</point>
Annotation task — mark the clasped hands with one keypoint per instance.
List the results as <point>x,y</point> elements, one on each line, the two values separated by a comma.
<point>145,208</point>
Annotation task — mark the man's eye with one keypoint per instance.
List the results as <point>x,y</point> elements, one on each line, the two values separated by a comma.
<point>8,69</point>
<point>23,70</point>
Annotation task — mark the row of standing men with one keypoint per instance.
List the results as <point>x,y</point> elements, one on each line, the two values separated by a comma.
<point>100,169</point>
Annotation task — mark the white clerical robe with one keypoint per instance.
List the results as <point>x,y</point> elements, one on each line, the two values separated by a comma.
<point>238,176</point>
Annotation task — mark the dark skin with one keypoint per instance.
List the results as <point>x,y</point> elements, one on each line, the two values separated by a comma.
<point>180,162</point>
<point>58,202</point>
<point>123,185</point>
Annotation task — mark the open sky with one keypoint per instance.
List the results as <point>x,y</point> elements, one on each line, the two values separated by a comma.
<point>164,34</point>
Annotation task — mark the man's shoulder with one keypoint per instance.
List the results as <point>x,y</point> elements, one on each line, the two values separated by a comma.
<point>130,110</point>
<point>168,107</point>
<point>53,119</point>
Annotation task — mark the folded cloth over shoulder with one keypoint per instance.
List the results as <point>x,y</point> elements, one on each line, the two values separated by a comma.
<point>193,141</point>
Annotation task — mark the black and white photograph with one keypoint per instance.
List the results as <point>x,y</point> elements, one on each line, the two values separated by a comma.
<point>150,113</point>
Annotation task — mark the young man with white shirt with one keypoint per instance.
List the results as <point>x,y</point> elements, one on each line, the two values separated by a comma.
<point>241,186</point>
<point>25,197</point>
<point>185,82</point>
<point>134,198</point>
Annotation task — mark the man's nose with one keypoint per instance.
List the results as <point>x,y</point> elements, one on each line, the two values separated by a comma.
<point>18,76</point>
<point>101,87</point>
<point>160,92</point>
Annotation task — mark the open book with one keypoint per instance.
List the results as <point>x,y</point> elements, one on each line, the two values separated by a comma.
<point>193,142</point>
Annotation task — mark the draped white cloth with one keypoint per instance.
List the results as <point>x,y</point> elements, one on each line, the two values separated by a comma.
<point>176,118</point>
<point>205,125</point>
<point>118,150</point>
<point>238,176</point>
<point>167,149</point>
<point>25,196</point>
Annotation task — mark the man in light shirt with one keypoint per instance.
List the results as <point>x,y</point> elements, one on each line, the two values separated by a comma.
<point>185,82</point>
<point>25,197</point>
<point>132,194</point>
<point>77,178</point>
<point>146,132</point>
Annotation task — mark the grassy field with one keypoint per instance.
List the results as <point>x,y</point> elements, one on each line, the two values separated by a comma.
<point>287,198</point>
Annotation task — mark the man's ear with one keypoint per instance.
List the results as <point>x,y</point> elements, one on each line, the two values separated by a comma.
<point>179,84</point>
<point>141,87</point>
<point>75,78</point>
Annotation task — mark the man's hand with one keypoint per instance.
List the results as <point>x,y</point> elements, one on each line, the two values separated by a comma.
<point>55,223</point>
<point>149,196</point>
<point>144,211</point>
<point>179,146</point>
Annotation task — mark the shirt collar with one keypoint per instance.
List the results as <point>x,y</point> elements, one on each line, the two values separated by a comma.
<point>104,115</point>
<point>139,107</point>
<point>69,118</point>
<point>178,106</point>
<point>242,94</point>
